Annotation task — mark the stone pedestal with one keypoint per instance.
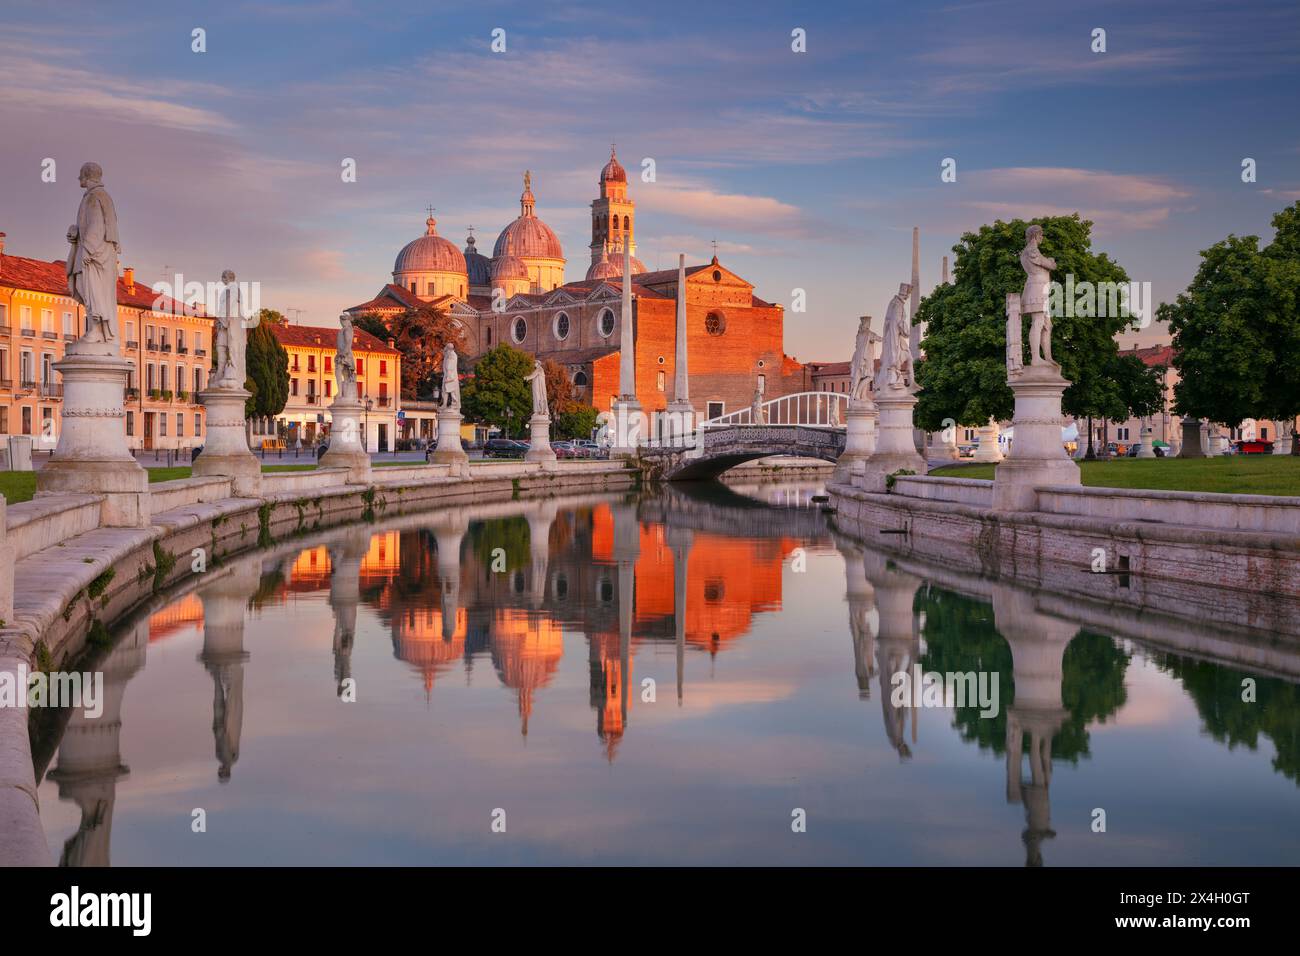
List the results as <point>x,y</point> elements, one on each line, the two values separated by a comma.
<point>346,450</point>
<point>679,422</point>
<point>449,450</point>
<point>860,422</point>
<point>1282,445</point>
<point>225,446</point>
<point>629,428</point>
<point>987,448</point>
<point>1192,446</point>
<point>1146,449</point>
<point>539,446</point>
<point>943,445</point>
<point>1037,454</point>
<point>1218,441</point>
<point>92,456</point>
<point>895,443</point>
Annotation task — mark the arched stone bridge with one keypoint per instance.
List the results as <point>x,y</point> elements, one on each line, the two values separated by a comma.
<point>713,450</point>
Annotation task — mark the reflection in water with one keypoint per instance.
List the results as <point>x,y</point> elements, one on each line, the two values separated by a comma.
<point>651,584</point>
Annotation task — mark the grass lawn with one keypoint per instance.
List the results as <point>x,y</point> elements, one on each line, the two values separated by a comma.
<point>19,486</point>
<point>1231,474</point>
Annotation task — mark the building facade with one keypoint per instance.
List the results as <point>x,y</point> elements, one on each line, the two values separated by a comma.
<point>168,344</point>
<point>520,296</point>
<point>312,352</point>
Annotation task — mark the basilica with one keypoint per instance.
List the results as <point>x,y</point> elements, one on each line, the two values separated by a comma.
<point>734,338</point>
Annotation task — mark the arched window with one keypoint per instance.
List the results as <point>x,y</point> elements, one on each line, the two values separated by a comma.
<point>519,330</point>
<point>605,323</point>
<point>627,223</point>
<point>580,379</point>
<point>715,323</point>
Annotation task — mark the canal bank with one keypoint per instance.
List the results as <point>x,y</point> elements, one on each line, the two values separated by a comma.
<point>73,579</point>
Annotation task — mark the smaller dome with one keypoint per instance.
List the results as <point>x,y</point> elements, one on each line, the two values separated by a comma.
<point>611,266</point>
<point>613,171</point>
<point>509,267</point>
<point>477,266</point>
<point>429,253</point>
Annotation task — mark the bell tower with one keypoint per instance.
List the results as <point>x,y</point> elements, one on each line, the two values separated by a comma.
<point>613,215</point>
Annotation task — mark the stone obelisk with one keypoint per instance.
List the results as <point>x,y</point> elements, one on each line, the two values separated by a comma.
<point>681,413</point>
<point>92,456</point>
<point>915,333</point>
<point>627,409</point>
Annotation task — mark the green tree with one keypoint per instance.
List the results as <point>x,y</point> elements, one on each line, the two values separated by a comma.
<point>963,376</point>
<point>373,323</point>
<point>419,335</point>
<point>267,363</point>
<point>497,394</point>
<point>576,422</point>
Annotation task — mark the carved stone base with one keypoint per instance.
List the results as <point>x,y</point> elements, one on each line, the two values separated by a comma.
<point>895,443</point>
<point>449,450</point>
<point>1037,455</point>
<point>1192,445</point>
<point>92,455</point>
<point>346,449</point>
<point>679,422</point>
<point>225,447</point>
<point>628,428</point>
<point>987,448</point>
<point>539,447</point>
<point>1145,448</point>
<point>860,421</point>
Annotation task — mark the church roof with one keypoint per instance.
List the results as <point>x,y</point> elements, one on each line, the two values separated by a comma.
<point>509,267</point>
<point>528,237</point>
<point>613,171</point>
<point>430,253</point>
<point>390,297</point>
<point>611,266</point>
<point>477,266</point>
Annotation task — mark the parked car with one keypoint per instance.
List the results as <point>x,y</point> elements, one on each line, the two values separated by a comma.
<point>966,451</point>
<point>564,449</point>
<point>504,448</point>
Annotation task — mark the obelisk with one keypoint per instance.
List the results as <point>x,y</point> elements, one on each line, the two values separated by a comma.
<point>627,409</point>
<point>681,414</point>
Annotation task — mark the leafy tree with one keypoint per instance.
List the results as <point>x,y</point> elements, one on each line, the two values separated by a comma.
<point>963,376</point>
<point>373,323</point>
<point>267,363</point>
<point>1236,329</point>
<point>577,422</point>
<point>559,390</point>
<point>497,394</point>
<point>419,335</point>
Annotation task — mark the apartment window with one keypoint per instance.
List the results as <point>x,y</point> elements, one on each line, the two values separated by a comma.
<point>295,361</point>
<point>162,337</point>
<point>361,366</point>
<point>716,409</point>
<point>762,383</point>
<point>162,377</point>
<point>328,383</point>
<point>130,331</point>
<point>47,422</point>
<point>4,365</point>
<point>1263,434</point>
<point>180,425</point>
<point>198,380</point>
<point>662,380</point>
<point>26,314</point>
<point>329,363</point>
<point>4,419</point>
<point>47,320</point>
<point>47,368</point>
<point>180,340</point>
<point>431,292</point>
<point>4,316</point>
<point>130,424</point>
<point>311,363</point>
<point>293,386</point>
<point>162,425</point>
<point>153,335</point>
<point>25,372</point>
<point>383,366</point>
<point>180,377</point>
<point>27,419</point>
<point>149,376</point>
<point>67,323</point>
<point>198,425</point>
<point>1121,434</point>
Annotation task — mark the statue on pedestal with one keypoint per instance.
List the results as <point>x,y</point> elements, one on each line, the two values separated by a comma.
<point>345,365</point>
<point>861,371</point>
<point>92,258</point>
<point>450,377</point>
<point>228,337</point>
<point>895,372</point>
<point>1033,300</point>
<point>538,380</point>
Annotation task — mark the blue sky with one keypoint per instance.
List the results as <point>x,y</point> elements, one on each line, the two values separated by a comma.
<point>809,169</point>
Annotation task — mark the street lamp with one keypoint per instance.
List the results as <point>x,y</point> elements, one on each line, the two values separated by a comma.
<point>370,403</point>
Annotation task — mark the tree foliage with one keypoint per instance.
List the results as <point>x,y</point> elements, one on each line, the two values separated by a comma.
<point>267,363</point>
<point>1236,329</point>
<point>419,335</point>
<point>497,394</point>
<point>964,377</point>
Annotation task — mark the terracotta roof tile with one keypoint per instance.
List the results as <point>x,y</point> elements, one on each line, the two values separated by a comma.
<point>51,277</point>
<point>314,336</point>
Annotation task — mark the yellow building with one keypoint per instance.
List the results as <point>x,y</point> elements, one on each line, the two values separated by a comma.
<point>169,347</point>
<point>311,386</point>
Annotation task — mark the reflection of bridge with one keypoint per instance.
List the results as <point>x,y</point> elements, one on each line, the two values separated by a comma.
<point>806,424</point>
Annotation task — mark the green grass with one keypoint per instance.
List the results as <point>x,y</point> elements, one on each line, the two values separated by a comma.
<point>19,486</point>
<point>1234,474</point>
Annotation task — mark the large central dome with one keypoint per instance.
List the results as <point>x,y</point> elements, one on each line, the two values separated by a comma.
<point>528,237</point>
<point>429,253</point>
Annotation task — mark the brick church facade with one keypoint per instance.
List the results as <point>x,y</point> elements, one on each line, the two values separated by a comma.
<point>520,297</point>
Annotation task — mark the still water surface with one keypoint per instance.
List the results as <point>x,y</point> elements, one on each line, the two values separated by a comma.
<point>661,679</point>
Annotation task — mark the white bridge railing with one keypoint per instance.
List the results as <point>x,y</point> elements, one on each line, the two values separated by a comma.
<point>802,408</point>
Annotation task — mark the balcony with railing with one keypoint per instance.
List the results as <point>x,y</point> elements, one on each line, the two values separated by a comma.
<point>311,398</point>
<point>182,350</point>
<point>384,401</point>
<point>53,336</point>
<point>166,346</point>
<point>28,330</point>
<point>132,344</point>
<point>28,384</point>
<point>130,394</point>
<point>69,337</point>
<point>6,382</point>
<point>152,346</point>
<point>200,351</point>
<point>183,397</point>
<point>51,390</point>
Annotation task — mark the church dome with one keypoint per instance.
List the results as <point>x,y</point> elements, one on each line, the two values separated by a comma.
<point>430,253</point>
<point>528,237</point>
<point>509,267</point>
<point>613,171</point>
<point>611,267</point>
<point>477,266</point>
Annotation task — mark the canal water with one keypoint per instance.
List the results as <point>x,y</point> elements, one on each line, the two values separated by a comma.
<point>670,678</point>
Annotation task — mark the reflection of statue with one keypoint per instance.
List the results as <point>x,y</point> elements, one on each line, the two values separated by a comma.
<point>1033,300</point>
<point>228,337</point>
<point>92,259</point>
<point>1015,348</point>
<point>345,365</point>
<point>896,356</point>
<point>538,380</point>
<point>450,377</point>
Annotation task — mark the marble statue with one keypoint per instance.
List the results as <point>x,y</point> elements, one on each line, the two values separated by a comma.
<point>450,377</point>
<point>538,380</point>
<point>896,355</point>
<point>1033,300</point>
<point>861,367</point>
<point>756,407</point>
<point>229,343</point>
<point>1015,345</point>
<point>92,258</point>
<point>345,364</point>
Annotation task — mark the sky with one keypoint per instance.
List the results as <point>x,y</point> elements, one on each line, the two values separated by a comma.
<point>808,169</point>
